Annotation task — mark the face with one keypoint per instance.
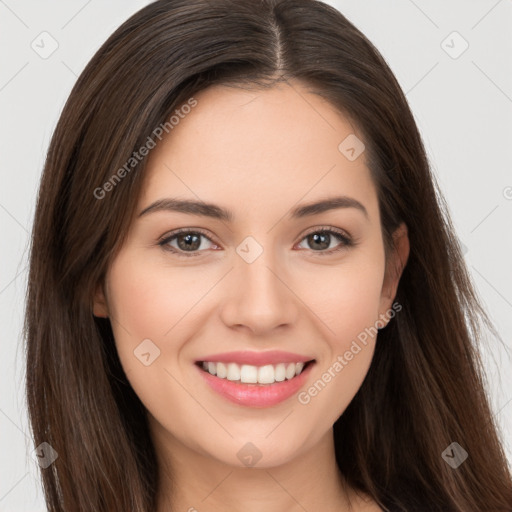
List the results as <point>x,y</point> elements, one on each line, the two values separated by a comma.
<point>254,292</point>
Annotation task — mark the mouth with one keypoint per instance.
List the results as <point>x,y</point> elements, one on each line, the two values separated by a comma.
<point>255,386</point>
<point>250,374</point>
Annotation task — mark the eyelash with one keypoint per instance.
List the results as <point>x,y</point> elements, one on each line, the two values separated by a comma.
<point>346,240</point>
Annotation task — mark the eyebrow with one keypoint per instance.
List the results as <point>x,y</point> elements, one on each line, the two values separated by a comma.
<point>214,211</point>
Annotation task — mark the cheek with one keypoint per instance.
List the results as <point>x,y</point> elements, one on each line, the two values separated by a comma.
<point>141,307</point>
<point>144,309</point>
<point>348,303</point>
<point>149,300</point>
<point>347,300</point>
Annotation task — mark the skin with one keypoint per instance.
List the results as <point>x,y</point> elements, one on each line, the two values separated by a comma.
<point>258,154</point>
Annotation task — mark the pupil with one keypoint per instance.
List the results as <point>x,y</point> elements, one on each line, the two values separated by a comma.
<point>316,238</point>
<point>194,244</point>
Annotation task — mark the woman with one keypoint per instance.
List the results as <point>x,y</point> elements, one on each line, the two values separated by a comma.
<point>190,346</point>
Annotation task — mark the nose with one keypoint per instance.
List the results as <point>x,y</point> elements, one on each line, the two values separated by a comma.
<point>259,298</point>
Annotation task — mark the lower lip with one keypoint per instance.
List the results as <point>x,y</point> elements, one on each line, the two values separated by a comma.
<point>256,395</point>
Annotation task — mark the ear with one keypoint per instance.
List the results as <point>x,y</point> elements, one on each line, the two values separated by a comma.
<point>100,306</point>
<point>394,268</point>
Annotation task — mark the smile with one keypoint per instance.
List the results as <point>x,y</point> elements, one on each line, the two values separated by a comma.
<point>249,374</point>
<point>255,386</point>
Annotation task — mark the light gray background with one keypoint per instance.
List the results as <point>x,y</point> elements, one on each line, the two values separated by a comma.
<point>463,107</point>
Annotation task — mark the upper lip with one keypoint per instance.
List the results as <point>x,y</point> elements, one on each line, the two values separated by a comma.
<point>256,358</point>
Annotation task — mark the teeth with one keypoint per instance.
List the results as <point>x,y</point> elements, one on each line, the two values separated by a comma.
<point>249,374</point>
<point>280,372</point>
<point>233,372</point>
<point>222,370</point>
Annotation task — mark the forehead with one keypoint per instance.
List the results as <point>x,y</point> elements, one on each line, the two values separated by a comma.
<point>253,148</point>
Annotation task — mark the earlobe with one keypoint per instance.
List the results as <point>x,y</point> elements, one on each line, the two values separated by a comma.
<point>395,266</point>
<point>100,307</point>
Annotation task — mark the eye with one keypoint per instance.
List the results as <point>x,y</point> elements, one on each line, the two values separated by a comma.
<point>321,239</point>
<point>188,242</point>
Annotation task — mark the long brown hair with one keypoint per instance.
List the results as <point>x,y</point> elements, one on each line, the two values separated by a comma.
<point>425,387</point>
